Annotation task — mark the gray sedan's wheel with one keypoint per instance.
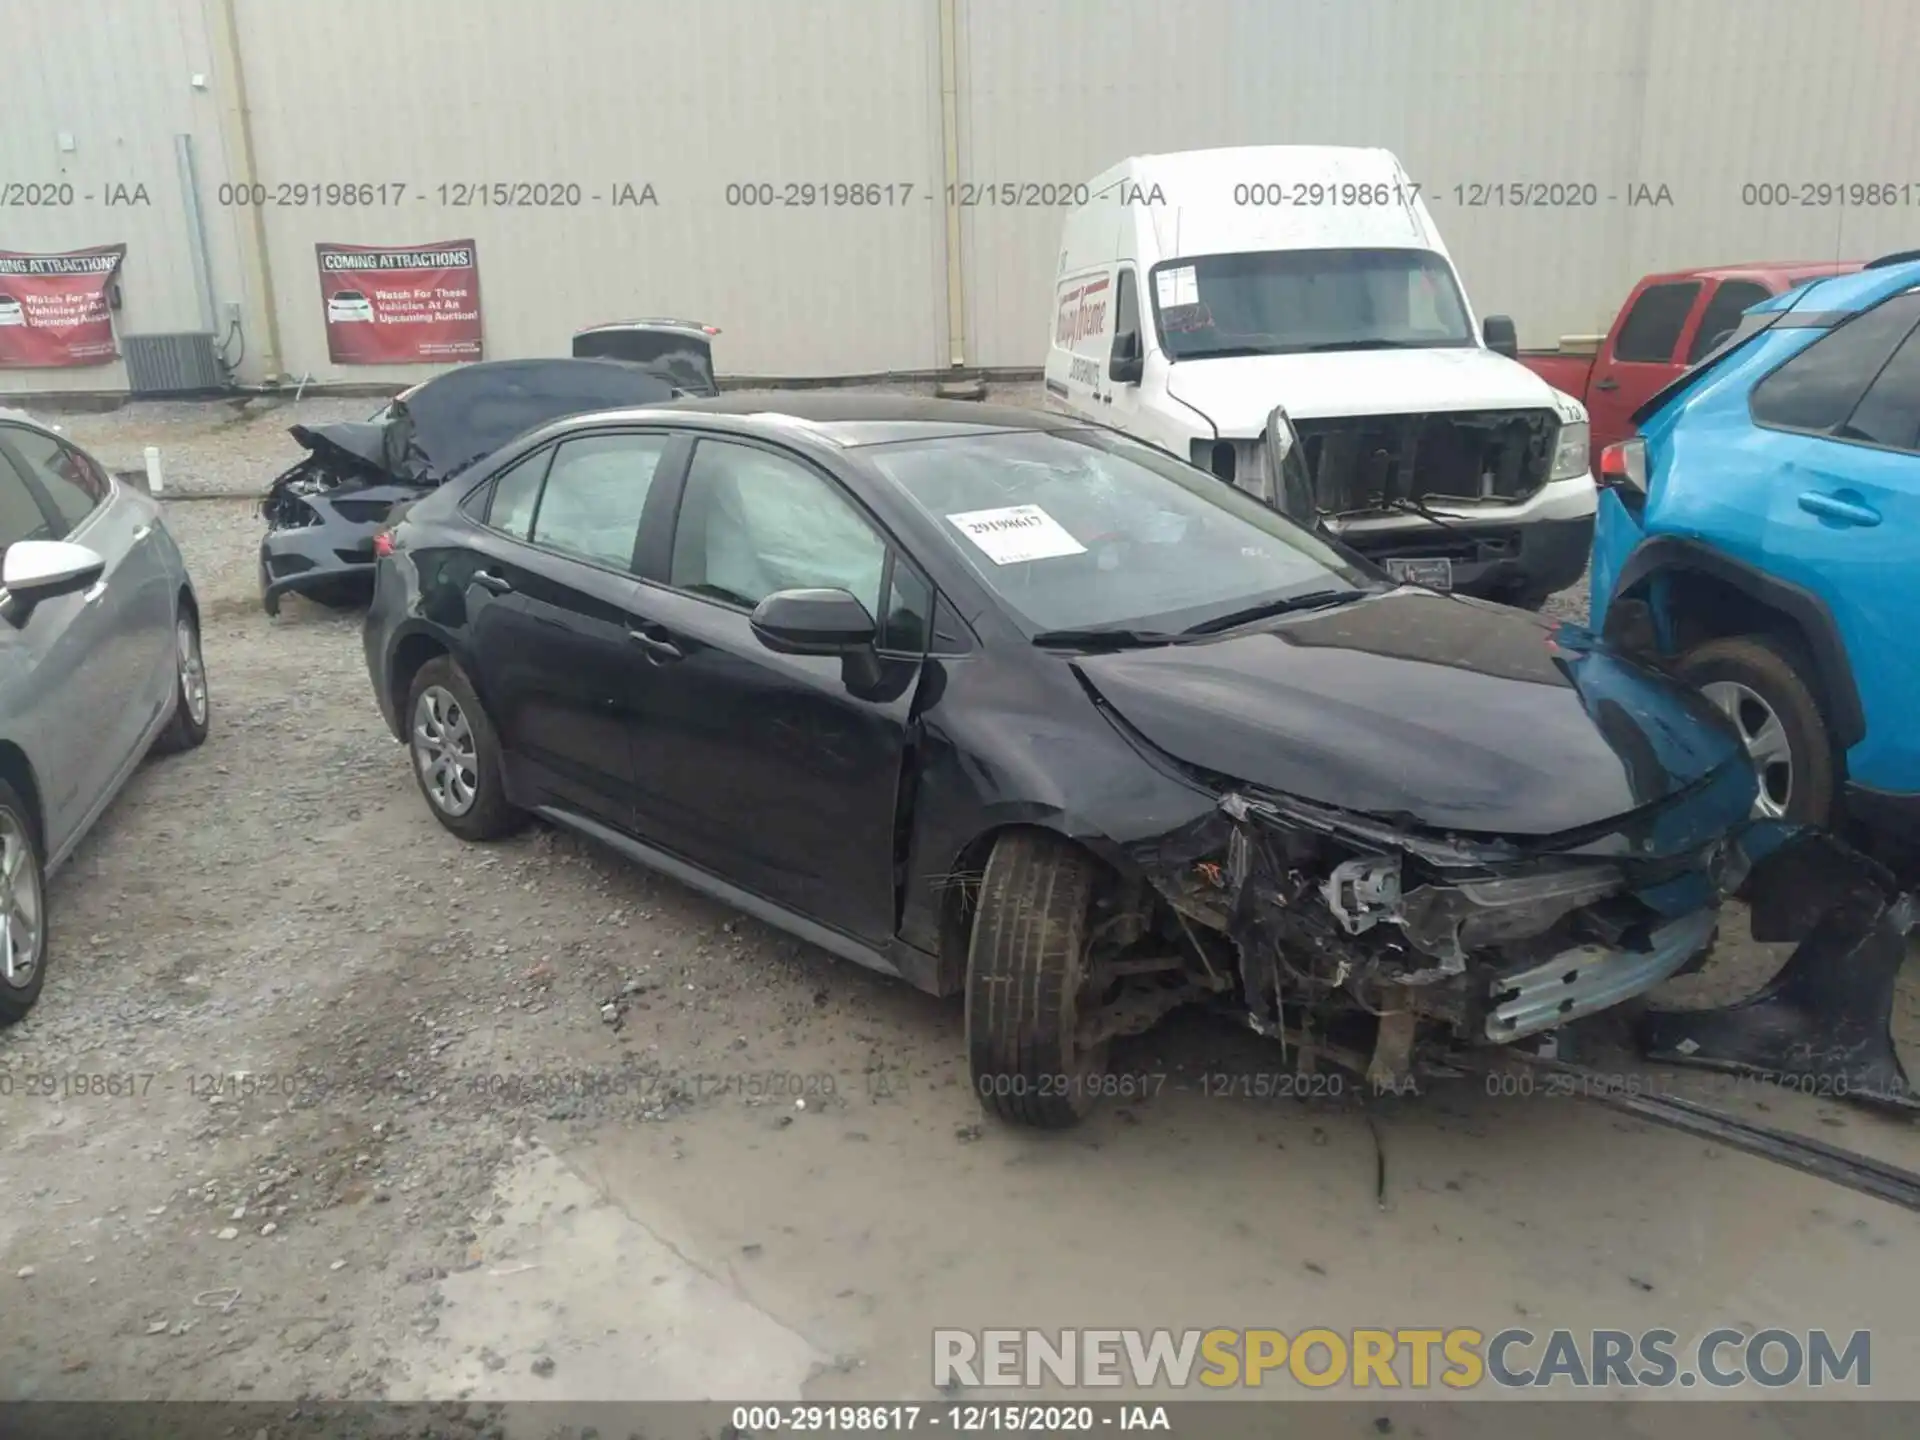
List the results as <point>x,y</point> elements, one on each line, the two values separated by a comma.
<point>1026,977</point>
<point>1756,682</point>
<point>192,702</point>
<point>455,754</point>
<point>23,910</point>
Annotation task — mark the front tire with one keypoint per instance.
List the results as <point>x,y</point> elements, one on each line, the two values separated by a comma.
<point>192,703</point>
<point>1026,965</point>
<point>23,909</point>
<point>1756,681</point>
<point>455,753</point>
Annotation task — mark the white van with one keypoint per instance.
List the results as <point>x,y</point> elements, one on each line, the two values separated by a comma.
<point>1197,291</point>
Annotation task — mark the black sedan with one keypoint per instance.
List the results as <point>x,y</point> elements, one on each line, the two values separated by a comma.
<point>1015,707</point>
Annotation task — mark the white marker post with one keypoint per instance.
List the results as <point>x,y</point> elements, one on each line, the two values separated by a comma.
<point>155,481</point>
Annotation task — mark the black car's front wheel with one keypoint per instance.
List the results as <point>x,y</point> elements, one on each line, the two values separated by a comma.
<point>1027,967</point>
<point>456,754</point>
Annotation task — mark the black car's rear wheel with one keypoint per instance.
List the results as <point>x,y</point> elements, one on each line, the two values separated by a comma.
<point>1026,980</point>
<point>23,909</point>
<point>456,754</point>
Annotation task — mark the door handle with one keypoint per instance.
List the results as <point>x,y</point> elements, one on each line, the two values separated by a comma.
<point>142,533</point>
<point>656,647</point>
<point>1607,384</point>
<point>497,584</point>
<point>94,592</point>
<point>1838,508</point>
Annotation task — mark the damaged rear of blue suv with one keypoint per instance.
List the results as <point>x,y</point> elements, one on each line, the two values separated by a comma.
<point>1760,538</point>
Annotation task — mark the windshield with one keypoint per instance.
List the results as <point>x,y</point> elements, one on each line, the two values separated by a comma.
<point>1288,301</point>
<point>1080,529</point>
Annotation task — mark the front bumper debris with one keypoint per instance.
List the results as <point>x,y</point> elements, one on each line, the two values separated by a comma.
<point>1592,978</point>
<point>1436,945</point>
<point>1823,1024</point>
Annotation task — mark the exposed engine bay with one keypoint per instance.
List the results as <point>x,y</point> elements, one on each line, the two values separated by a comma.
<point>1369,464</point>
<point>1331,931</point>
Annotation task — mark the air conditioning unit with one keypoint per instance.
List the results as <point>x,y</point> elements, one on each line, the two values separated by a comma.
<point>183,364</point>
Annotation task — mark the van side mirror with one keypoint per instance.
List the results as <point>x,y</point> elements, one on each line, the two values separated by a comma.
<point>1127,363</point>
<point>1500,336</point>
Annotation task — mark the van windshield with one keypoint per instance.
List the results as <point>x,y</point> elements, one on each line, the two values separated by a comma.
<point>1287,302</point>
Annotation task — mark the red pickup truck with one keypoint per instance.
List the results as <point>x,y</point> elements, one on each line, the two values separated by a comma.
<point>1668,323</point>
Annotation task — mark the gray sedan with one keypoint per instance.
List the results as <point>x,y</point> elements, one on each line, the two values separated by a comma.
<point>99,663</point>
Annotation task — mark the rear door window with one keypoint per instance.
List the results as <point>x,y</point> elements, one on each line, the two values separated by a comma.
<point>1889,413</point>
<point>1819,388</point>
<point>596,490</point>
<point>1652,328</point>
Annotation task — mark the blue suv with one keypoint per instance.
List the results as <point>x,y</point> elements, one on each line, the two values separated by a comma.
<point>1760,537</point>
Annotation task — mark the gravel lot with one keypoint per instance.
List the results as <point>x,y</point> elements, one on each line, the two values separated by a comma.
<point>322,1102</point>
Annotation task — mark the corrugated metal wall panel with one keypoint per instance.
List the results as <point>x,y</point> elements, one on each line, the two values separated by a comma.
<point>687,95</point>
<point>1700,96</point>
<point>117,77</point>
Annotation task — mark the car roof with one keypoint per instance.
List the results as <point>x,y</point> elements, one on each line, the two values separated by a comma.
<point>1846,294</point>
<point>852,418</point>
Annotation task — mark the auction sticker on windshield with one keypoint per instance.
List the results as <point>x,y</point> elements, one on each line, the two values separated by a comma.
<point>1179,286</point>
<point>1017,532</point>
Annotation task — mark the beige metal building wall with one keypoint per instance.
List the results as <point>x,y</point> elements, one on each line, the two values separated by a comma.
<point>685,97</point>
<point>688,96</point>
<point>1700,96</point>
<point>114,80</point>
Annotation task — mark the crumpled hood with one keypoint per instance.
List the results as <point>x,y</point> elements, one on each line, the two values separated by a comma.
<point>1442,711</point>
<point>1237,394</point>
<point>355,444</point>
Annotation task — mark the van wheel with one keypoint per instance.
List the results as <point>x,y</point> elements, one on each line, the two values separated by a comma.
<point>1026,967</point>
<point>1756,681</point>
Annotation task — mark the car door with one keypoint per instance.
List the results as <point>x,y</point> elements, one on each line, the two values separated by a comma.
<point>1844,512</point>
<point>124,622</point>
<point>551,615</point>
<point>50,713</point>
<point>778,773</point>
<point>1639,358</point>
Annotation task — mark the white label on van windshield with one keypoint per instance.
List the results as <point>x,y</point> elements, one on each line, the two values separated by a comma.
<point>1017,533</point>
<point>1179,286</point>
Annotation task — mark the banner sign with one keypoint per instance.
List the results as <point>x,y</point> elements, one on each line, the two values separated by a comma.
<point>400,305</point>
<point>53,308</point>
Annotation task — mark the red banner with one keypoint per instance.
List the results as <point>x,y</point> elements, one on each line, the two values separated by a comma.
<point>53,308</point>
<point>400,305</point>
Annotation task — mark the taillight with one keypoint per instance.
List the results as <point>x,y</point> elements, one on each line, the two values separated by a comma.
<point>1623,465</point>
<point>383,543</point>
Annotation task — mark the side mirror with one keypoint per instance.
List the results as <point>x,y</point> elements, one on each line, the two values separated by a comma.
<point>1128,361</point>
<point>813,622</point>
<point>1500,335</point>
<point>1289,482</point>
<point>36,570</point>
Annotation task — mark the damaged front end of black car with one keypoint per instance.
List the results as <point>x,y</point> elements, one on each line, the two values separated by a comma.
<point>323,514</point>
<point>1409,947</point>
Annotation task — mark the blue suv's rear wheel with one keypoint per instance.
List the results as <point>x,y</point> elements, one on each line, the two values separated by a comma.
<point>1758,682</point>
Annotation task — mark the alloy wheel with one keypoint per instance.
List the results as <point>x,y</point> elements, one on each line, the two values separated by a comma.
<point>20,903</point>
<point>1766,741</point>
<point>443,751</point>
<point>193,669</point>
